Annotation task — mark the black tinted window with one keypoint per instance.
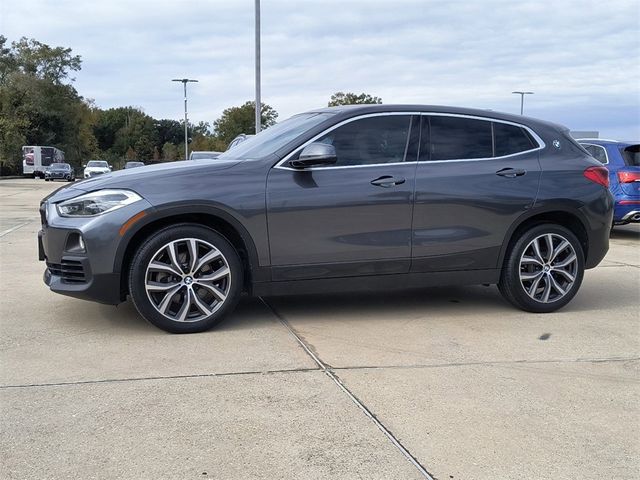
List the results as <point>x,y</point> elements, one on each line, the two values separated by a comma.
<point>460,138</point>
<point>510,139</point>
<point>631,155</point>
<point>371,140</point>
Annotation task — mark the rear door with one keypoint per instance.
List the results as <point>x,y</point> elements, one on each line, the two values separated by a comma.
<point>352,218</point>
<point>475,177</point>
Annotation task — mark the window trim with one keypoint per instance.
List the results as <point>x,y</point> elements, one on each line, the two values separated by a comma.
<point>541,145</point>
<point>606,154</point>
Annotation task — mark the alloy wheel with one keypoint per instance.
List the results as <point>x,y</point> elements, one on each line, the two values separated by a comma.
<point>548,268</point>
<point>187,280</point>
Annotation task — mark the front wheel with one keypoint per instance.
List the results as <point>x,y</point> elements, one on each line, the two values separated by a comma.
<point>543,270</point>
<point>185,279</point>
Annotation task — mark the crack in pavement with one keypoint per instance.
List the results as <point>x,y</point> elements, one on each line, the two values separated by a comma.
<point>158,377</point>
<point>328,370</point>
<point>490,362</point>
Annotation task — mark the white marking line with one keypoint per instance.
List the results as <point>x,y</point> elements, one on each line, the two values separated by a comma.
<point>12,229</point>
<point>342,387</point>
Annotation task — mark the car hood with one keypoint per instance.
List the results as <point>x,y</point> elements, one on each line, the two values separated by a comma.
<point>137,178</point>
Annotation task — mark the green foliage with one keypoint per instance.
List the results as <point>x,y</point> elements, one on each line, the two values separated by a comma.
<point>341,98</point>
<point>237,120</point>
<point>39,106</point>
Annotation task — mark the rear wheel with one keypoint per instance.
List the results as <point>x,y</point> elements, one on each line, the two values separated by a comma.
<point>185,279</point>
<point>543,270</point>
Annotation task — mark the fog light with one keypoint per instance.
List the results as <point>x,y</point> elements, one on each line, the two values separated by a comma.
<point>75,243</point>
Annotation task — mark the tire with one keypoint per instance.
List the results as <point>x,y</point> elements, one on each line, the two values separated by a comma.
<point>175,295</point>
<point>537,279</point>
<point>46,179</point>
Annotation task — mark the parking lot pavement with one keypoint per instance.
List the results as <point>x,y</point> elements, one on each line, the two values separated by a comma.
<point>477,389</point>
<point>470,386</point>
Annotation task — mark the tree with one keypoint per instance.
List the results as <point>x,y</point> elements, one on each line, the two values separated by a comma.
<point>341,98</point>
<point>169,152</point>
<point>38,106</point>
<point>237,120</point>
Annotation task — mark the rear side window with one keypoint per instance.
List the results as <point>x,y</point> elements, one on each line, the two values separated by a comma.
<point>631,155</point>
<point>460,138</point>
<point>510,139</point>
<point>596,151</point>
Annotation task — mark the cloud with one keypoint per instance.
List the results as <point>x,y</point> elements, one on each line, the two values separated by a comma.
<point>582,59</point>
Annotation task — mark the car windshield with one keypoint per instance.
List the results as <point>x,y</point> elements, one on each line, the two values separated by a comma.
<point>134,164</point>
<point>631,155</point>
<point>201,155</point>
<point>273,138</point>
<point>98,163</point>
<point>59,166</point>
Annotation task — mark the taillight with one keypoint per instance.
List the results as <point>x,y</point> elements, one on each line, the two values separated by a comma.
<point>598,175</point>
<point>628,177</point>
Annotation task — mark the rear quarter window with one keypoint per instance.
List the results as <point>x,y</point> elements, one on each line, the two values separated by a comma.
<point>511,139</point>
<point>596,151</point>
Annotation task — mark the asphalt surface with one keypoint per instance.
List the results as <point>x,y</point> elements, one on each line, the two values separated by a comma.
<point>447,383</point>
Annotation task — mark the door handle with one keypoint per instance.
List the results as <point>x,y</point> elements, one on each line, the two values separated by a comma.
<point>387,181</point>
<point>511,172</point>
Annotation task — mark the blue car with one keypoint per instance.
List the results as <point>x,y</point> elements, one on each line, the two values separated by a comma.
<point>623,161</point>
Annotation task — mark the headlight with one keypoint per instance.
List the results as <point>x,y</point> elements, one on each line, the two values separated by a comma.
<point>97,203</point>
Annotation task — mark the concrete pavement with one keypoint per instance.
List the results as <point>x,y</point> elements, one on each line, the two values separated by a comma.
<point>467,385</point>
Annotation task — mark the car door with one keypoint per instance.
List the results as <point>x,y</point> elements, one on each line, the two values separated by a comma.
<point>474,178</point>
<point>353,217</point>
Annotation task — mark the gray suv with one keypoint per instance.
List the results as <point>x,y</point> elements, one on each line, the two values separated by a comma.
<point>343,198</point>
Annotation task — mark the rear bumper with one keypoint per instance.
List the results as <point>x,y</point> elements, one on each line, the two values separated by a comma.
<point>624,213</point>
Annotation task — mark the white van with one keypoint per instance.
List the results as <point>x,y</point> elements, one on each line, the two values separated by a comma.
<point>36,159</point>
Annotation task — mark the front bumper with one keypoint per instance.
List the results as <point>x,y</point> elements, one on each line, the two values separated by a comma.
<point>94,174</point>
<point>90,273</point>
<point>72,275</point>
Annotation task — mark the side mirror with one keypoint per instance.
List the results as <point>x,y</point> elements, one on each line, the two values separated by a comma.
<point>110,167</point>
<point>84,166</point>
<point>315,154</point>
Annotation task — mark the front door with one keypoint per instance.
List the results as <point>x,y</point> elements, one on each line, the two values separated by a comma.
<point>351,218</point>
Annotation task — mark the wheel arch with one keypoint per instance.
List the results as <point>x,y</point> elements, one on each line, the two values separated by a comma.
<point>569,219</point>
<point>216,219</point>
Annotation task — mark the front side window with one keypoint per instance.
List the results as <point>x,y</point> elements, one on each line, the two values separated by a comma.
<point>597,152</point>
<point>458,138</point>
<point>370,141</point>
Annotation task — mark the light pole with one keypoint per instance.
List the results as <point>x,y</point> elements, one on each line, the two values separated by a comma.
<point>522,94</point>
<point>258,103</point>
<point>186,134</point>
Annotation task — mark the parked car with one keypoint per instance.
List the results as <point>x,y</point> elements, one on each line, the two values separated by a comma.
<point>96,167</point>
<point>133,164</point>
<point>203,155</point>
<point>623,162</point>
<point>238,140</point>
<point>59,171</point>
<point>342,198</point>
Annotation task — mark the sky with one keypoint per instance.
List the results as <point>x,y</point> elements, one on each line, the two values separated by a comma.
<point>580,58</point>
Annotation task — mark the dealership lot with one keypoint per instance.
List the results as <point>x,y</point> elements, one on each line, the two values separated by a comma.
<point>461,384</point>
